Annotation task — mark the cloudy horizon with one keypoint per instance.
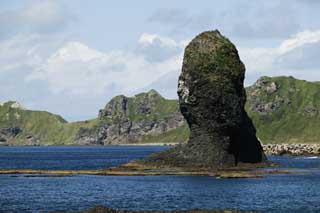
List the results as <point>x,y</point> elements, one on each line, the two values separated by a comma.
<point>70,57</point>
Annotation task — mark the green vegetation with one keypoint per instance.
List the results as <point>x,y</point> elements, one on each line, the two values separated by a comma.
<point>136,119</point>
<point>180,134</point>
<point>283,110</point>
<point>44,128</point>
<point>143,106</point>
<point>159,109</point>
<point>286,113</point>
<point>38,126</point>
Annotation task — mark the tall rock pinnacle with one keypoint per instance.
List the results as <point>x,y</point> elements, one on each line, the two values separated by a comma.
<point>212,99</point>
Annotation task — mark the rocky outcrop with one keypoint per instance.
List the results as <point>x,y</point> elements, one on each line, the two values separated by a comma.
<point>212,99</point>
<point>127,120</point>
<point>292,149</point>
<point>7,134</point>
<point>258,103</point>
<point>310,111</point>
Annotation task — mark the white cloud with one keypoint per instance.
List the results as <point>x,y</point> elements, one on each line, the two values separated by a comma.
<point>36,16</point>
<point>297,55</point>
<point>256,59</point>
<point>148,39</point>
<point>25,51</point>
<point>80,70</point>
<point>156,48</point>
<point>59,76</point>
<point>300,39</point>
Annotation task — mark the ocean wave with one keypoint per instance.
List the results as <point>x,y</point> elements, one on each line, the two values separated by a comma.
<point>310,157</point>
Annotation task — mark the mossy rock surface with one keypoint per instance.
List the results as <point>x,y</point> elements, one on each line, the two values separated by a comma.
<point>212,99</point>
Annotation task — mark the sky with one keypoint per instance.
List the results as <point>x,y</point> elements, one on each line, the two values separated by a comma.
<point>70,57</point>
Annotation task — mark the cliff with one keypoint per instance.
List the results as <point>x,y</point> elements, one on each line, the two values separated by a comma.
<point>142,118</point>
<point>285,110</point>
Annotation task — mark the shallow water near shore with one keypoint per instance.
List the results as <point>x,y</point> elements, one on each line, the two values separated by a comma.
<point>34,193</point>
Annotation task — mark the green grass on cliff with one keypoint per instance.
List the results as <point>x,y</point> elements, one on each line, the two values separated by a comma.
<point>180,134</point>
<point>155,105</point>
<point>297,120</point>
<point>160,107</point>
<point>49,128</point>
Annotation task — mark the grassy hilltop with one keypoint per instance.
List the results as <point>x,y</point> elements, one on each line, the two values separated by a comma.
<point>283,109</point>
<point>35,127</point>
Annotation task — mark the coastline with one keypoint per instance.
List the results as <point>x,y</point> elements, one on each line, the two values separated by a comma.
<point>296,149</point>
<point>299,149</point>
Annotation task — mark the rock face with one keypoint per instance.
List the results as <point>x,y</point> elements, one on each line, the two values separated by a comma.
<point>6,134</point>
<point>265,87</point>
<point>212,99</point>
<point>126,120</point>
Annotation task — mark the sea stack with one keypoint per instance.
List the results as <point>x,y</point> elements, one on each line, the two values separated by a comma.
<point>212,99</point>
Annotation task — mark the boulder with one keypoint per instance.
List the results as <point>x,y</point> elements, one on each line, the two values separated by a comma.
<point>212,98</point>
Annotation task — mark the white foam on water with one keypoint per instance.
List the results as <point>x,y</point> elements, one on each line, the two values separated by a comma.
<point>311,157</point>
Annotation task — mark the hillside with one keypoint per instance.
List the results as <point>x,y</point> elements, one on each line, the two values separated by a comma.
<point>20,126</point>
<point>146,117</point>
<point>283,109</point>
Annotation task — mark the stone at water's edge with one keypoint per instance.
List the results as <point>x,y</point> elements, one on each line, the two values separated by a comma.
<point>212,99</point>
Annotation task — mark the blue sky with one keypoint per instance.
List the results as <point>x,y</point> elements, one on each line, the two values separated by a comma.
<point>71,56</point>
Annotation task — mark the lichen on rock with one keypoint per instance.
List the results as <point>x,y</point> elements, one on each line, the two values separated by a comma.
<point>212,99</point>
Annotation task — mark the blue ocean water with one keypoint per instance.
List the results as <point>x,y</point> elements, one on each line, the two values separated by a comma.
<point>71,157</point>
<point>25,193</point>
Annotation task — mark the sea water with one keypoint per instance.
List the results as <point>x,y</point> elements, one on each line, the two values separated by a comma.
<point>35,193</point>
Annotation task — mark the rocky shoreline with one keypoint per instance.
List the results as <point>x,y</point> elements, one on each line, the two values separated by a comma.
<point>291,149</point>
<point>269,149</point>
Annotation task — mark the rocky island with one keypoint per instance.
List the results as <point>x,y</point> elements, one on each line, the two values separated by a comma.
<point>212,99</point>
